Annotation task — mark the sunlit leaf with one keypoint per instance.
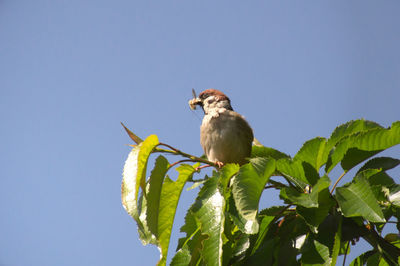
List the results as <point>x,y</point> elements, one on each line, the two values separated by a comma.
<point>145,235</point>
<point>262,151</point>
<point>394,196</point>
<point>357,199</point>
<point>350,128</point>
<point>226,173</point>
<point>357,147</point>
<point>313,152</point>
<point>344,131</point>
<point>293,171</point>
<point>170,194</point>
<point>247,187</point>
<point>133,177</point>
<point>182,257</point>
<point>209,211</point>
<point>128,189</point>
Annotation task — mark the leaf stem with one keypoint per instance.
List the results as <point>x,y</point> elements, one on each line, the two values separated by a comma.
<point>178,152</point>
<point>180,161</point>
<point>337,181</point>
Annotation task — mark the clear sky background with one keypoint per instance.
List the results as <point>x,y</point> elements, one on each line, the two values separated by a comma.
<point>70,71</point>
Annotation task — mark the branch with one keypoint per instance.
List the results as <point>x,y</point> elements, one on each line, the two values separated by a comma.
<point>175,151</point>
<point>180,161</point>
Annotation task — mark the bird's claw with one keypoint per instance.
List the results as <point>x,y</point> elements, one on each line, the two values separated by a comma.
<point>219,164</point>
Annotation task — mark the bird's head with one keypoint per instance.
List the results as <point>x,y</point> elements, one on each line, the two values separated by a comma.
<point>209,100</point>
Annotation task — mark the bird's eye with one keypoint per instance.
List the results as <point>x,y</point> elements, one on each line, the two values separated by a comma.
<point>204,96</point>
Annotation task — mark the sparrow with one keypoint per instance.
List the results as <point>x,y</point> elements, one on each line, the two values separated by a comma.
<point>225,135</point>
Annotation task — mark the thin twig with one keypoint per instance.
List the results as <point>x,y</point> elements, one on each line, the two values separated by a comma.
<point>178,152</point>
<point>180,161</point>
<point>337,181</point>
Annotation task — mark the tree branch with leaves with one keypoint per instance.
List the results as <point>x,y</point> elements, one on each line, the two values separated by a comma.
<point>319,218</point>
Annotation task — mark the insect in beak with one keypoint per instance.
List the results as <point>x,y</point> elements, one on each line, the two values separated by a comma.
<point>193,102</point>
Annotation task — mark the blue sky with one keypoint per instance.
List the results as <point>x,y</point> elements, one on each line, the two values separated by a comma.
<point>70,71</point>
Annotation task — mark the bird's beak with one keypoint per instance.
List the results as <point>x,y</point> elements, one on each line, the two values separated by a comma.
<point>195,101</point>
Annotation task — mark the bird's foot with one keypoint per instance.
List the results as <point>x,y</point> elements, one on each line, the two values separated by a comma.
<point>197,169</point>
<point>219,164</point>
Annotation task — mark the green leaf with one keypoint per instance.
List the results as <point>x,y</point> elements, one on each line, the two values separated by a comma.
<point>189,247</point>
<point>264,227</point>
<point>310,173</point>
<point>394,196</point>
<point>337,242</point>
<point>134,175</point>
<point>240,245</point>
<point>315,216</point>
<point>274,211</point>
<point>182,257</point>
<point>357,199</point>
<point>384,163</point>
<point>307,200</point>
<point>376,260</point>
<point>344,131</point>
<point>362,259</point>
<point>247,187</point>
<point>313,152</point>
<point>226,174</point>
<point>350,128</point>
<point>314,253</point>
<point>262,151</point>
<point>154,193</point>
<point>293,196</point>
<point>145,235</point>
<point>293,171</point>
<point>354,156</point>
<point>381,179</point>
<point>357,147</point>
<point>209,211</point>
<point>204,225</point>
<point>170,194</point>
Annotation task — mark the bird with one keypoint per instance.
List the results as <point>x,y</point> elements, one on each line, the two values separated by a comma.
<point>225,135</point>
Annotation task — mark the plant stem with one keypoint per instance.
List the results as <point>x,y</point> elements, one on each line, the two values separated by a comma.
<point>337,181</point>
<point>180,161</point>
<point>178,152</point>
